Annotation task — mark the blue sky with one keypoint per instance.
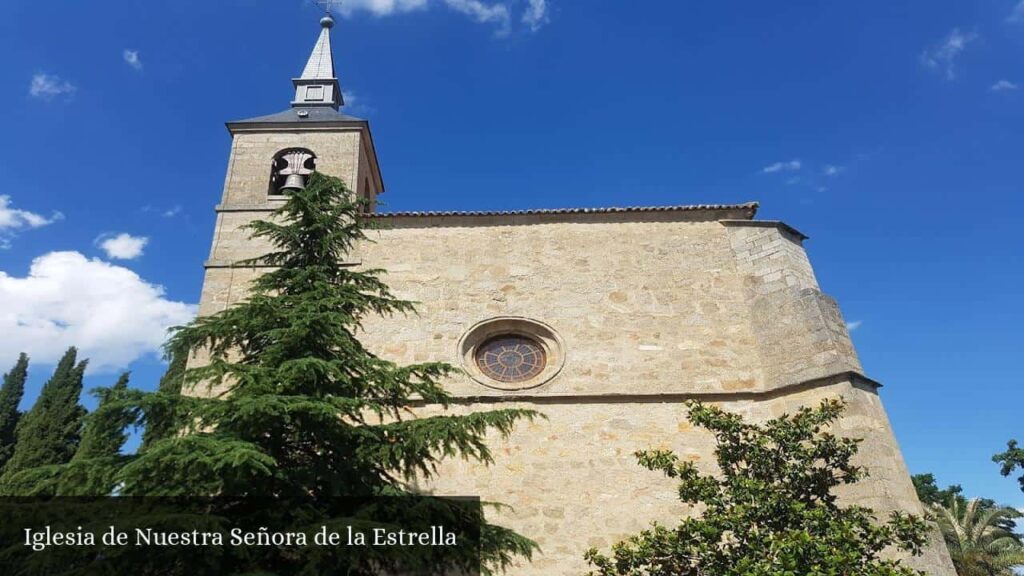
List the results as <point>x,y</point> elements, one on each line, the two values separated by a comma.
<point>890,132</point>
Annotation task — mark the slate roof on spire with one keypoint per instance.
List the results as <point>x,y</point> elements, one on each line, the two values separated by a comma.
<point>321,62</point>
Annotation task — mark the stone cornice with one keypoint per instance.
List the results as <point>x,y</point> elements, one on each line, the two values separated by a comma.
<point>856,378</point>
<point>767,224</point>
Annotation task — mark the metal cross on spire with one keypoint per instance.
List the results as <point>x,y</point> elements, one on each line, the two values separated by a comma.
<point>328,5</point>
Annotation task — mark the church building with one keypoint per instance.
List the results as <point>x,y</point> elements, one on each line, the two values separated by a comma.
<point>605,320</point>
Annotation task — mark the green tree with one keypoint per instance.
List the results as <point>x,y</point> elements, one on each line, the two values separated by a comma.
<point>11,392</point>
<point>300,409</point>
<point>91,471</point>
<point>104,431</point>
<point>1011,460</point>
<point>979,542</point>
<point>771,509</point>
<point>930,495</point>
<point>49,432</point>
<point>928,491</point>
<point>162,416</point>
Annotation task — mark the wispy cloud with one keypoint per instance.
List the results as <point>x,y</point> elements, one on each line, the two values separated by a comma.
<point>1003,85</point>
<point>355,103</point>
<point>13,220</point>
<point>497,14</point>
<point>534,13</point>
<point>165,212</point>
<point>832,170</point>
<point>132,58</point>
<point>122,246</point>
<point>1017,14</point>
<point>851,326</point>
<point>49,86</point>
<point>791,166</point>
<point>943,56</point>
<point>382,7</point>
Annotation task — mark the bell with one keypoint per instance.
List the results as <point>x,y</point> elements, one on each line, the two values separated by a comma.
<point>294,182</point>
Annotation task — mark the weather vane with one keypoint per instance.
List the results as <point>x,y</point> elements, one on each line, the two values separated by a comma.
<point>328,5</point>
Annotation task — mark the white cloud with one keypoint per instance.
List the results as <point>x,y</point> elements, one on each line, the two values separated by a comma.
<point>48,86</point>
<point>356,104</point>
<point>497,14</point>
<point>832,169</point>
<point>942,57</point>
<point>165,212</point>
<point>1003,85</point>
<point>791,166</point>
<point>122,246</point>
<point>13,220</point>
<point>536,14</point>
<point>1017,14</point>
<point>793,180</point>
<point>851,326</point>
<point>500,14</point>
<point>382,7</point>
<point>111,314</point>
<point>132,58</point>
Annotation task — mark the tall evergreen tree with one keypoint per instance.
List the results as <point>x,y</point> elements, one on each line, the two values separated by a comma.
<point>162,418</point>
<point>929,493</point>
<point>92,469</point>
<point>104,431</point>
<point>302,409</point>
<point>50,431</point>
<point>11,392</point>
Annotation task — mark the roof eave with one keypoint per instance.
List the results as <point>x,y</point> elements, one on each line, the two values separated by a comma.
<point>748,208</point>
<point>253,125</point>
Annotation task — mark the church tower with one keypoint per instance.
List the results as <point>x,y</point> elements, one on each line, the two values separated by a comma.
<point>274,153</point>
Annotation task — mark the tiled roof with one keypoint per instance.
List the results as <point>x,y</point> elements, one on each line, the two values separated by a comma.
<point>749,206</point>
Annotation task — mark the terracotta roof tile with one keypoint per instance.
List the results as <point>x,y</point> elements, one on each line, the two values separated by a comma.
<point>751,206</point>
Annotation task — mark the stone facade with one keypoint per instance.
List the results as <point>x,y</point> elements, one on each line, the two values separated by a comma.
<point>647,308</point>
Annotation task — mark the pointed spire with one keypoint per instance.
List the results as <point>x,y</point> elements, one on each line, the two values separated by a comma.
<point>318,85</point>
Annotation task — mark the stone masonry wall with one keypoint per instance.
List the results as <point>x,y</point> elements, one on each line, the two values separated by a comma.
<point>248,177</point>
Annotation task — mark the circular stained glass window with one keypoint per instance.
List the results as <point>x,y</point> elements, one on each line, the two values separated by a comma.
<point>510,358</point>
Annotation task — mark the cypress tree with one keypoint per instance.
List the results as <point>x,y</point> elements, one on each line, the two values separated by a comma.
<point>161,417</point>
<point>10,396</point>
<point>303,410</point>
<point>49,432</point>
<point>104,431</point>
<point>97,459</point>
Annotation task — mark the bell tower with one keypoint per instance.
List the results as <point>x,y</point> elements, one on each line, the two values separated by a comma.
<point>274,154</point>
